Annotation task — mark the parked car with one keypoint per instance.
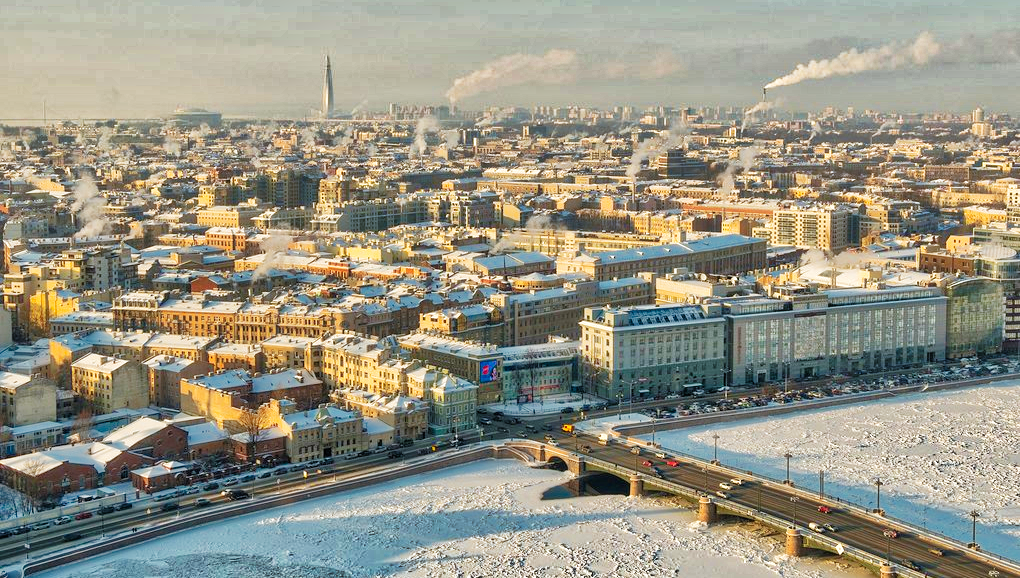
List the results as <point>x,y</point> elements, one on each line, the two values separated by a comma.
<point>263,475</point>
<point>62,520</point>
<point>567,409</point>
<point>104,510</point>
<point>484,421</point>
<point>203,503</point>
<point>235,495</point>
<point>406,443</point>
<point>230,482</point>
<point>123,506</point>
<point>395,455</point>
<point>40,525</point>
<point>83,515</point>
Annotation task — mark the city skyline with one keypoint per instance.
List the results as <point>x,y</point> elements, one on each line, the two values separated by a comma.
<point>111,62</point>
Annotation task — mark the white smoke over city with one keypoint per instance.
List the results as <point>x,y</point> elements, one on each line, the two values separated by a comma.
<point>816,131</point>
<point>889,124</point>
<point>201,132</point>
<point>88,208</point>
<point>744,161</point>
<point>451,138</point>
<point>559,66</point>
<point>750,113</point>
<point>655,146</point>
<point>105,139</point>
<point>273,248</point>
<point>360,107</point>
<point>892,56</point>
<point>540,222</point>
<point>513,70</point>
<point>426,124</point>
<point>171,147</point>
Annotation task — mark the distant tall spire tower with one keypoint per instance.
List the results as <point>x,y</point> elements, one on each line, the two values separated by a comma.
<point>327,90</point>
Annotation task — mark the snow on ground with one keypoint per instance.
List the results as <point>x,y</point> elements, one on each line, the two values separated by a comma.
<point>481,519</point>
<point>939,456</point>
<point>545,405</point>
<point>606,424</point>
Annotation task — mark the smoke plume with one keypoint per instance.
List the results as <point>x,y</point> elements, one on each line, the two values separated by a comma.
<point>88,208</point>
<point>426,124</point>
<point>744,161</point>
<point>890,56</point>
<point>105,137</point>
<point>274,247</point>
<point>653,147</point>
<point>760,107</point>
<point>816,131</point>
<point>885,126</point>
<point>513,70</point>
<point>451,138</point>
<point>171,147</point>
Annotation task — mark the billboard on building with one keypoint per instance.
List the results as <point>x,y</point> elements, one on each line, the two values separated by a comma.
<point>488,371</point>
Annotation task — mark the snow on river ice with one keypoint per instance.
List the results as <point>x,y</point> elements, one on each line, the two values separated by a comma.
<point>939,456</point>
<point>481,519</point>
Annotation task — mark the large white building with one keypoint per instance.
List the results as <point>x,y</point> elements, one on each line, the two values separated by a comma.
<point>651,350</point>
<point>803,334</point>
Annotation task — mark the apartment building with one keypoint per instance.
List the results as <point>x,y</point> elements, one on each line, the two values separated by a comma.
<point>823,228</point>
<point>530,318</point>
<point>722,254</point>
<point>109,383</point>
<point>27,399</point>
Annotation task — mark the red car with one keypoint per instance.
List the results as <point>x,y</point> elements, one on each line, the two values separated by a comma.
<point>83,515</point>
<point>673,463</point>
<point>825,509</point>
<point>647,463</point>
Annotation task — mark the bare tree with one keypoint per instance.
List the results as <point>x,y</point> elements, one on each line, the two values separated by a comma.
<point>29,485</point>
<point>254,423</point>
<point>82,424</point>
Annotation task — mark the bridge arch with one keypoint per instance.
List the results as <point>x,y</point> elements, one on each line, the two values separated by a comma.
<point>557,463</point>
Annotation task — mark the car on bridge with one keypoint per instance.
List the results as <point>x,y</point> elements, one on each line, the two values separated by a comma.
<point>830,527</point>
<point>723,495</point>
<point>824,509</point>
<point>725,486</point>
<point>737,481</point>
<point>647,463</point>
<point>635,450</point>
<point>585,449</point>
<point>673,463</point>
<point>890,533</point>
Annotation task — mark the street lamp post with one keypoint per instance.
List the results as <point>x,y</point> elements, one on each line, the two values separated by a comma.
<point>759,497</point>
<point>715,448</point>
<point>878,494</point>
<point>706,479</point>
<point>794,500</point>
<point>787,455</point>
<point>974,515</point>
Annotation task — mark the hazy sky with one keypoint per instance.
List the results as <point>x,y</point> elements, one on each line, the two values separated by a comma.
<point>131,58</point>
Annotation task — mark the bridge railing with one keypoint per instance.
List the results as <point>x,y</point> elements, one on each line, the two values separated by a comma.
<point>929,535</point>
